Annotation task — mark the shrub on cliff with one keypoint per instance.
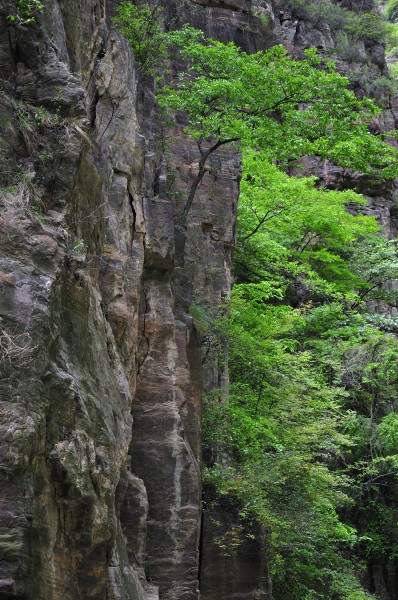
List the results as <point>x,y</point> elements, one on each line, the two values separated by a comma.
<point>391,11</point>
<point>141,26</point>
<point>24,13</point>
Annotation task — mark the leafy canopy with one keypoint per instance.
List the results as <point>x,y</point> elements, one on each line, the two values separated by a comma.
<point>268,100</point>
<point>306,432</point>
<point>288,229</point>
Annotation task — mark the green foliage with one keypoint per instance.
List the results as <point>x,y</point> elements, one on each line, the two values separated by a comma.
<point>350,50</point>
<point>25,12</point>
<point>141,26</point>
<point>263,17</point>
<point>299,239</point>
<point>375,261</point>
<point>267,100</point>
<point>307,432</point>
<point>286,108</point>
<point>357,25</point>
<point>380,87</point>
<point>201,318</point>
<point>391,11</point>
<point>304,434</point>
<point>366,26</point>
<point>352,30</point>
<point>319,13</point>
<point>387,432</point>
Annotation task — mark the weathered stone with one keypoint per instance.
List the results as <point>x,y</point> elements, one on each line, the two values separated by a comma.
<point>234,565</point>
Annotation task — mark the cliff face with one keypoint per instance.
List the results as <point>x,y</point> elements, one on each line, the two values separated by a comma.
<point>102,371</point>
<point>102,378</point>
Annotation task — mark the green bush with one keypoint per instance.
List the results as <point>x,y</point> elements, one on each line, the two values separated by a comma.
<point>25,12</point>
<point>350,50</point>
<point>141,26</point>
<point>366,26</point>
<point>327,12</point>
<point>356,25</point>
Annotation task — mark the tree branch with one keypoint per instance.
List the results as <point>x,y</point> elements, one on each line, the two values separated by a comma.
<point>270,214</point>
<point>201,173</point>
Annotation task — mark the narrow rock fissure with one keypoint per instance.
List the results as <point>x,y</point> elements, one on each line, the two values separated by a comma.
<point>131,202</point>
<point>145,337</point>
<point>93,108</point>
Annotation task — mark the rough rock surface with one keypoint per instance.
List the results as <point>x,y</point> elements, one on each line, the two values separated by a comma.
<point>230,571</point>
<point>100,400</point>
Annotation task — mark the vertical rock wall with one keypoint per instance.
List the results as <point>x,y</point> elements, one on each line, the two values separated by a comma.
<point>100,414</point>
<point>72,255</point>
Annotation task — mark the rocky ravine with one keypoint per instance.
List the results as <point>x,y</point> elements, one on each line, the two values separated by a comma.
<point>101,365</point>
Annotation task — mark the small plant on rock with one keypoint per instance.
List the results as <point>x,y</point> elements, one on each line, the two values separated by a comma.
<point>25,12</point>
<point>15,348</point>
<point>141,26</point>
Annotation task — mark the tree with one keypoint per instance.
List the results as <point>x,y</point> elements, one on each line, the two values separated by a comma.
<point>290,230</point>
<point>305,430</point>
<point>301,437</point>
<point>287,108</point>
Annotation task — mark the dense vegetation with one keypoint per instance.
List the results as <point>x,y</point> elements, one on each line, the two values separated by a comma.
<point>309,437</point>
<point>307,442</point>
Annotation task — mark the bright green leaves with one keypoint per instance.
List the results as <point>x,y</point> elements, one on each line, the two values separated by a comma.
<point>362,361</point>
<point>282,422</point>
<point>25,12</point>
<point>375,261</point>
<point>288,230</point>
<point>364,25</point>
<point>268,100</point>
<point>387,431</point>
<point>392,11</point>
<point>141,26</point>
<point>310,374</point>
<point>308,390</point>
<point>308,384</point>
<point>302,397</point>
